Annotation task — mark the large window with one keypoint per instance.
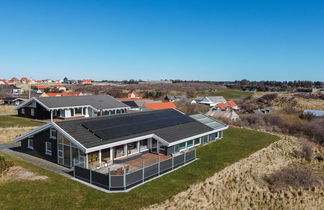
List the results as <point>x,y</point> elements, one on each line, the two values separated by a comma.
<point>132,148</point>
<point>53,133</point>
<point>30,143</point>
<point>190,143</point>
<point>48,148</point>
<point>23,111</point>
<point>212,137</point>
<point>204,139</point>
<point>32,112</point>
<point>119,151</point>
<point>182,146</point>
<point>67,153</point>
<point>143,145</point>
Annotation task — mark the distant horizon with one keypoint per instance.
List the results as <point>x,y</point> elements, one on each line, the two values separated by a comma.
<point>193,40</point>
<point>109,80</point>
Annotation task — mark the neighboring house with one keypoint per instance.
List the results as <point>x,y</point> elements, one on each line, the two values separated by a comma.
<point>159,106</point>
<point>317,113</point>
<point>176,98</point>
<point>13,101</point>
<point>100,142</point>
<point>39,88</point>
<point>86,81</point>
<point>209,100</point>
<point>61,94</point>
<point>227,114</point>
<point>58,88</point>
<point>133,94</point>
<point>3,82</point>
<point>71,106</point>
<point>222,106</point>
<point>24,80</point>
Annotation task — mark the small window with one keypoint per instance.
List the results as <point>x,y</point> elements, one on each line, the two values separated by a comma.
<point>32,112</point>
<point>53,133</point>
<point>30,144</point>
<point>48,148</point>
<point>197,141</point>
<point>23,111</point>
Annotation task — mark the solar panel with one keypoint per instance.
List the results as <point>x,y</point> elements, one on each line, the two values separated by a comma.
<point>124,125</point>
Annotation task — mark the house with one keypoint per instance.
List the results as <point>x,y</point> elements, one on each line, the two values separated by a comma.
<point>70,106</point>
<point>39,88</point>
<point>317,113</point>
<point>3,82</point>
<point>222,106</point>
<point>176,98</point>
<point>13,101</point>
<point>17,91</point>
<point>61,94</point>
<point>58,88</point>
<point>102,143</point>
<point>159,106</point>
<point>24,80</point>
<point>209,100</point>
<point>86,82</point>
<point>133,94</point>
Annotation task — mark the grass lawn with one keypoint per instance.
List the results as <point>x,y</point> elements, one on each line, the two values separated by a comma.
<point>227,93</point>
<point>14,121</point>
<point>59,192</point>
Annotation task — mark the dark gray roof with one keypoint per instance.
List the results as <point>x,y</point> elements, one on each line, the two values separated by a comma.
<point>172,133</point>
<point>96,101</point>
<point>131,104</point>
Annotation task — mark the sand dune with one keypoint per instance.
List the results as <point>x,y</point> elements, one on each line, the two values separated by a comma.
<point>241,185</point>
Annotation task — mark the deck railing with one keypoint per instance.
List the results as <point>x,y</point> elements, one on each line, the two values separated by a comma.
<point>131,179</point>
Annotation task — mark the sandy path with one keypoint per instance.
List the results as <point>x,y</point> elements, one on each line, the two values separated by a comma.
<point>241,185</point>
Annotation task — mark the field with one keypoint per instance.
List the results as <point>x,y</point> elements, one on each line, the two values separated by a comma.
<point>14,121</point>
<point>60,192</point>
<point>242,185</point>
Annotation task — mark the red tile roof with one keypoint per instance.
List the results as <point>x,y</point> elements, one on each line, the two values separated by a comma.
<point>63,94</point>
<point>222,106</point>
<point>162,105</point>
<point>40,87</point>
<point>231,103</point>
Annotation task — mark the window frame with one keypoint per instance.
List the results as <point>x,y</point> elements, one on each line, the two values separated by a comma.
<point>51,134</point>
<point>23,111</point>
<point>47,151</point>
<point>29,146</point>
<point>32,112</point>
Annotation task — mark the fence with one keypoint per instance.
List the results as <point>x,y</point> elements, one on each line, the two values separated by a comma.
<point>128,180</point>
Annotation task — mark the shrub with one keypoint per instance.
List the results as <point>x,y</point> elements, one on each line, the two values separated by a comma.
<point>4,164</point>
<point>308,151</point>
<point>297,177</point>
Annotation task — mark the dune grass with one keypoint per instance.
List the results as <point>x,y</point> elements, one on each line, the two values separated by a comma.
<point>60,193</point>
<point>15,121</point>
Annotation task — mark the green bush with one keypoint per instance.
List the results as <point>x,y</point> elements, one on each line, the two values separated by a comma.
<point>4,164</point>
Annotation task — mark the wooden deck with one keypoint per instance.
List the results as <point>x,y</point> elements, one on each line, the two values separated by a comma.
<point>134,165</point>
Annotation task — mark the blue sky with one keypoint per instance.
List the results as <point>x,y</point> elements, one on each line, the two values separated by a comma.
<point>203,40</point>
